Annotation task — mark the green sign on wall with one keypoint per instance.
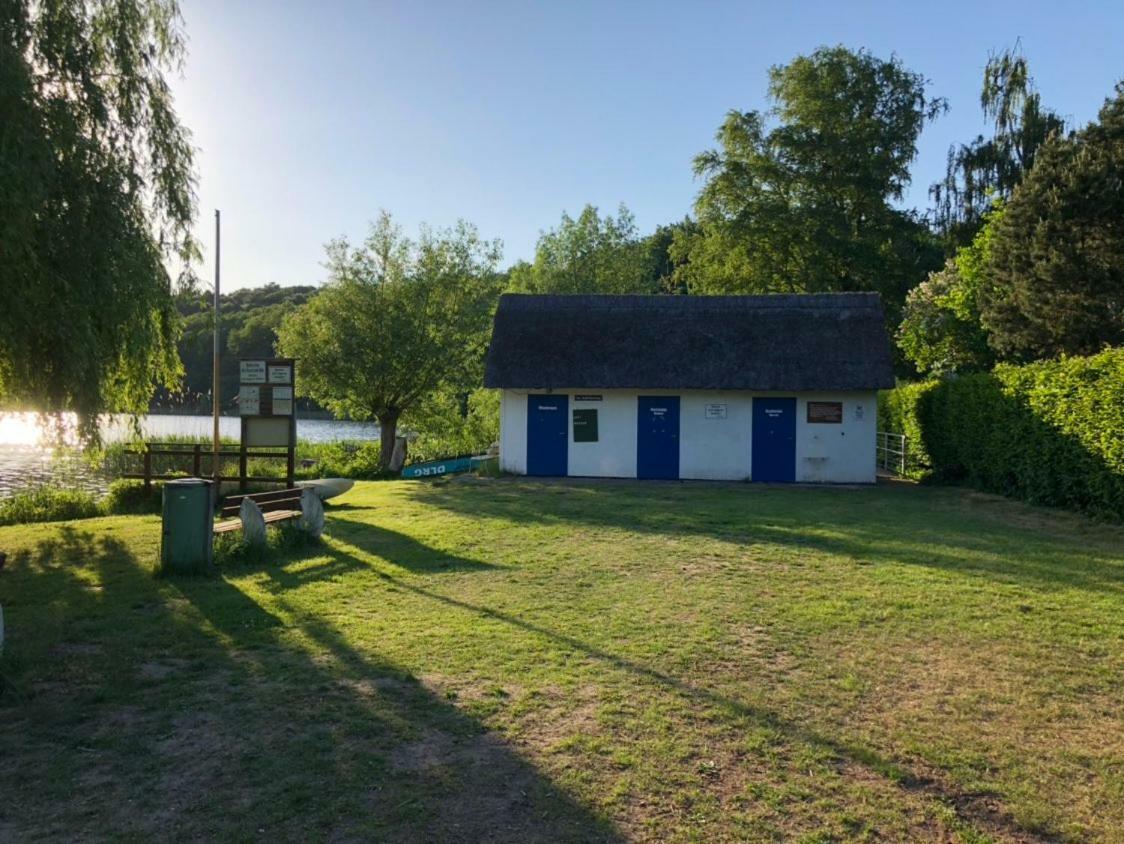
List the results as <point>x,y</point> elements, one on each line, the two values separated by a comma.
<point>585,426</point>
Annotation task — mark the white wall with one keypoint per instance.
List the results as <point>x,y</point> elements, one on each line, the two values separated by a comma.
<point>614,453</point>
<point>837,453</point>
<point>513,431</point>
<point>716,448</point>
<point>709,449</point>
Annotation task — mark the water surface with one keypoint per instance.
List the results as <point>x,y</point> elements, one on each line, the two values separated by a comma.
<point>28,457</point>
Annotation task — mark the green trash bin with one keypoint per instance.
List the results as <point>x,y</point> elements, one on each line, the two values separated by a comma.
<point>187,540</point>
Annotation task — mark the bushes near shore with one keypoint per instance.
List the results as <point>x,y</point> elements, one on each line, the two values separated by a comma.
<point>48,504</point>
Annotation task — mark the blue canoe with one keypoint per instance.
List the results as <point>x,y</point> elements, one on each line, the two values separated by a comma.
<point>434,468</point>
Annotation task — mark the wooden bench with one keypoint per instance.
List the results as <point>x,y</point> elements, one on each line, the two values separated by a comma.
<point>280,505</point>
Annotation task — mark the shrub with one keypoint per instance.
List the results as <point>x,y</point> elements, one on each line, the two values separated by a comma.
<point>1050,432</point>
<point>449,426</point>
<point>231,548</point>
<point>346,460</point>
<point>48,504</point>
<point>129,497</point>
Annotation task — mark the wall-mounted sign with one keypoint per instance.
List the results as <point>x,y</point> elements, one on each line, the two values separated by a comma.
<point>251,371</point>
<point>282,401</point>
<point>716,411</point>
<point>829,412</point>
<point>280,374</point>
<point>587,398</point>
<point>585,425</point>
<point>249,401</point>
<point>858,412</point>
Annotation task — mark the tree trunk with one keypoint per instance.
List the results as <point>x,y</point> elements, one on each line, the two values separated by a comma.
<point>399,458</point>
<point>388,432</point>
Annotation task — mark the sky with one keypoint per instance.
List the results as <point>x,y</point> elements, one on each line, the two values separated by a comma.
<point>309,117</point>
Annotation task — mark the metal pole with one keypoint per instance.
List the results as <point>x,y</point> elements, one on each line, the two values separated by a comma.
<point>216,382</point>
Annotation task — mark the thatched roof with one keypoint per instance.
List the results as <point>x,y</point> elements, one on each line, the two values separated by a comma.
<point>832,341</point>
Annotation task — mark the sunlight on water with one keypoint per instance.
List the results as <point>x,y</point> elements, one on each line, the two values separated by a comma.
<point>20,429</point>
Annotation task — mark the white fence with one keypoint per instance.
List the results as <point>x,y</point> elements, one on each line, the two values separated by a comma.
<point>891,449</point>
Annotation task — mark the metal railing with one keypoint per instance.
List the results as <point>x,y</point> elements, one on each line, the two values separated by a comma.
<point>891,451</point>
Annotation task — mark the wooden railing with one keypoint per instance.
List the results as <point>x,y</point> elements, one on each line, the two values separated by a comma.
<point>201,462</point>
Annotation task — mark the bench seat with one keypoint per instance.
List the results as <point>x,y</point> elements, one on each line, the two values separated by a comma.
<point>277,506</point>
<point>269,517</point>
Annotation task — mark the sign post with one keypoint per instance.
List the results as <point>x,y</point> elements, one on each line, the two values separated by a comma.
<point>267,407</point>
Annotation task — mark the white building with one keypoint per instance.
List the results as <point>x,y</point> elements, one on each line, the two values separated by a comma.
<point>762,388</point>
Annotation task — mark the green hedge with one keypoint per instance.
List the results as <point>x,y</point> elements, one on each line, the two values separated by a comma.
<point>1050,432</point>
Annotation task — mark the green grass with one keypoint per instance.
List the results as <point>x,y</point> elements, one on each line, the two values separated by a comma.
<point>518,661</point>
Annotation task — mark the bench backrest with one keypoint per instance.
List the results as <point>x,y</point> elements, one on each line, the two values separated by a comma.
<point>278,499</point>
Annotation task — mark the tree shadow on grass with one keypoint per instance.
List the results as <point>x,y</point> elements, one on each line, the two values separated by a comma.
<point>977,808</point>
<point>948,529</point>
<point>404,550</point>
<point>145,705</point>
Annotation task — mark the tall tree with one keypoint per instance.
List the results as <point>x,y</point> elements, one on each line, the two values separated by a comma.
<point>96,193</point>
<point>798,199</point>
<point>1056,279</point>
<point>988,169</point>
<point>662,262</point>
<point>588,254</point>
<point>397,321</point>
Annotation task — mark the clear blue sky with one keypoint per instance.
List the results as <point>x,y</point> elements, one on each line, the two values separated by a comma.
<point>309,117</point>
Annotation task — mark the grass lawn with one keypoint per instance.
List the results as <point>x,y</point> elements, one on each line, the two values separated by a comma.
<point>516,661</point>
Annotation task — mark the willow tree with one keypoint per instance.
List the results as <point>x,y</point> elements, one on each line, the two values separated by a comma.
<point>988,169</point>
<point>96,196</point>
<point>397,321</point>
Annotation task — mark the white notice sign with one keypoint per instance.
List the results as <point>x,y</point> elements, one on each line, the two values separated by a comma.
<point>280,375</point>
<point>249,401</point>
<point>282,401</point>
<point>716,411</point>
<point>252,371</point>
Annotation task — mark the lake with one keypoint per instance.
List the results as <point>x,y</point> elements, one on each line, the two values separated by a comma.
<point>25,460</point>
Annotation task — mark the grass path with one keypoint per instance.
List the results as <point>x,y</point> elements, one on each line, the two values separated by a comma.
<point>519,661</point>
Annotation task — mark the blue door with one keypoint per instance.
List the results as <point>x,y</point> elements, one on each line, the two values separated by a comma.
<point>547,435</point>
<point>657,437</point>
<point>774,440</point>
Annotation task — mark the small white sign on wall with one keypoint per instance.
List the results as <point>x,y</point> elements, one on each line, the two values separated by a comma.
<point>858,411</point>
<point>716,411</point>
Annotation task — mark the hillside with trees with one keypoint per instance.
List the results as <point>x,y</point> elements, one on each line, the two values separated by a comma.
<point>251,318</point>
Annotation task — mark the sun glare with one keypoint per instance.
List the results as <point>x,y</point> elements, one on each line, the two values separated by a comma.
<point>20,429</point>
